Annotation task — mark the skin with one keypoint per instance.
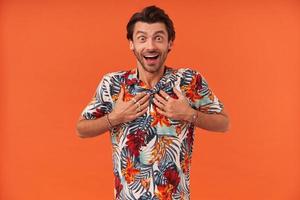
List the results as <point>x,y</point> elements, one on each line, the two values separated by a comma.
<point>152,39</point>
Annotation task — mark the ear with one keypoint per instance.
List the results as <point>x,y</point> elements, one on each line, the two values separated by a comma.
<point>131,47</point>
<point>170,45</point>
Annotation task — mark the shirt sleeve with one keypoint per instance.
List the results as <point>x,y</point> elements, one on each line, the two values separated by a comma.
<point>101,102</point>
<point>206,101</point>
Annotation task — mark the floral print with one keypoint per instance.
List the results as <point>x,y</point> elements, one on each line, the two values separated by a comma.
<point>152,154</point>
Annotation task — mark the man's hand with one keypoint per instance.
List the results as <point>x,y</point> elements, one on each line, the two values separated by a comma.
<point>126,111</point>
<point>178,109</point>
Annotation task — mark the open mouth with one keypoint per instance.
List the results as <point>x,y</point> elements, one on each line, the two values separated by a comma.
<point>152,57</point>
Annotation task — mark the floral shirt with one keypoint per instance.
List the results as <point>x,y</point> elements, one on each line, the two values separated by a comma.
<point>152,154</point>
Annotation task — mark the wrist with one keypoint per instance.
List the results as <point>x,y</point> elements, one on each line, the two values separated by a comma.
<point>114,119</point>
<point>192,115</point>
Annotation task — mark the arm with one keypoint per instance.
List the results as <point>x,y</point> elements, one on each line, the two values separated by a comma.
<point>90,128</point>
<point>218,122</point>
<point>180,109</point>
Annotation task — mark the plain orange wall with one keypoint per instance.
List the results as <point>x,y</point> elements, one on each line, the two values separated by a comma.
<point>53,54</point>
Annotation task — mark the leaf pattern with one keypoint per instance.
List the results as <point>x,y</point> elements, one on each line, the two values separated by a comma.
<point>152,154</point>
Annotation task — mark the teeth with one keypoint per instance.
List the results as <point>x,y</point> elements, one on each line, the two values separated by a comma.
<point>151,56</point>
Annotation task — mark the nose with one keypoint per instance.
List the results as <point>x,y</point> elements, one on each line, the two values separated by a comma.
<point>151,44</point>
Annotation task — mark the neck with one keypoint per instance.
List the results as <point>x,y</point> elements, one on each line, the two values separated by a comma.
<point>150,78</point>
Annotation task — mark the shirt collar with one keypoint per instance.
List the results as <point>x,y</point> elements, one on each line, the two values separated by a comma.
<point>132,78</point>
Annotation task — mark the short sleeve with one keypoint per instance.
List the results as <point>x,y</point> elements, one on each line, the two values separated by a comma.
<point>101,102</point>
<point>208,101</point>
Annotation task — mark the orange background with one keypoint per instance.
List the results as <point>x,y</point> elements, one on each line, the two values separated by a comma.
<point>54,53</point>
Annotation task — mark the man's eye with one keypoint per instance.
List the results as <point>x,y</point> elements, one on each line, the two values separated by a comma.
<point>142,38</point>
<point>158,38</point>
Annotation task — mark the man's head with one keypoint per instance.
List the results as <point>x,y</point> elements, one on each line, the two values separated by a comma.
<point>151,34</point>
<point>150,15</point>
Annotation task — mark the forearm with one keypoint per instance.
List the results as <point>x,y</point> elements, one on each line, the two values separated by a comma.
<point>91,128</point>
<point>217,122</point>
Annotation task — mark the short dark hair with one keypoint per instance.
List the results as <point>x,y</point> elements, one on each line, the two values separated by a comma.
<point>151,14</point>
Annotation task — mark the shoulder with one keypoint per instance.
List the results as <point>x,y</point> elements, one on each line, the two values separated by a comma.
<point>111,82</point>
<point>187,72</point>
<point>190,77</point>
<point>183,70</point>
<point>114,74</point>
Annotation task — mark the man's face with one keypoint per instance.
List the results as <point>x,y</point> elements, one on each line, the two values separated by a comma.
<point>150,45</point>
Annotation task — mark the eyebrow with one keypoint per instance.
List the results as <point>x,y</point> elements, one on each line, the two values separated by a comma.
<point>161,31</point>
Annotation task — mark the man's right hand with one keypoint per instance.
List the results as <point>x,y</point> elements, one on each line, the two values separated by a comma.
<point>126,111</point>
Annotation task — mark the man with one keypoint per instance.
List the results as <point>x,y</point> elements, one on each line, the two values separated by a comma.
<point>151,112</point>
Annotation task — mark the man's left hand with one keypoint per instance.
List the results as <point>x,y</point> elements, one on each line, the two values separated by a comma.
<point>178,109</point>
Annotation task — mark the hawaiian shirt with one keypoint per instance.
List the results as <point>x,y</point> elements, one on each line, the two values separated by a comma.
<point>152,154</point>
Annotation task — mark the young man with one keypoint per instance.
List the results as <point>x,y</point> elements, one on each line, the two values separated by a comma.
<point>151,112</point>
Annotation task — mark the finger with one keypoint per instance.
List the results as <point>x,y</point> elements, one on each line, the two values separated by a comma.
<point>162,112</point>
<point>141,112</point>
<point>177,92</point>
<point>145,105</point>
<point>136,106</point>
<point>139,96</point>
<point>144,99</point>
<point>136,98</point>
<point>160,99</point>
<point>164,94</point>
<point>121,94</point>
<point>141,106</point>
<point>158,104</point>
<point>133,101</point>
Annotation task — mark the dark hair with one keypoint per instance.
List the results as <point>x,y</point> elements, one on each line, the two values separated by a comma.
<point>151,14</point>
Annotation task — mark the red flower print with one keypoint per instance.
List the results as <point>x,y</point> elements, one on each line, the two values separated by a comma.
<point>158,118</point>
<point>193,88</point>
<point>185,163</point>
<point>130,81</point>
<point>135,142</point>
<point>98,113</point>
<point>127,95</point>
<point>198,82</point>
<point>129,172</point>
<point>190,136</point>
<point>143,85</point>
<point>173,178</point>
<point>192,94</point>
<point>118,185</point>
<point>164,192</point>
